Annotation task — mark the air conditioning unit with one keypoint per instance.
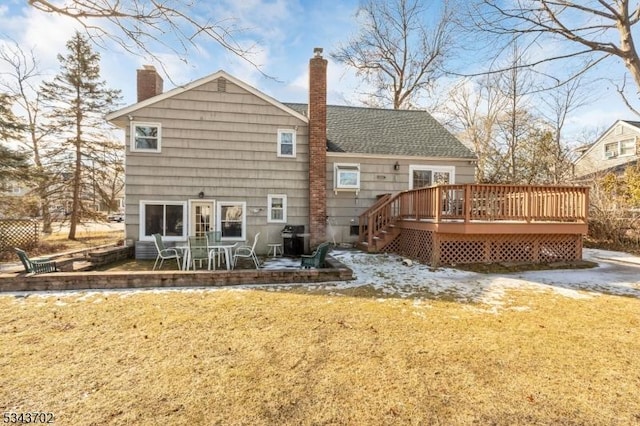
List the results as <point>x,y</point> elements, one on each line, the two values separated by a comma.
<point>610,154</point>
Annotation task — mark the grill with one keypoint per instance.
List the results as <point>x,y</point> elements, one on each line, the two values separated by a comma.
<point>293,240</point>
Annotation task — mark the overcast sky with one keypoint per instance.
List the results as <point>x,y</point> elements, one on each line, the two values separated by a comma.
<point>284,32</point>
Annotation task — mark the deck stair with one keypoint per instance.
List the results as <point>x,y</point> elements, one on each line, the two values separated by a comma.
<point>377,224</point>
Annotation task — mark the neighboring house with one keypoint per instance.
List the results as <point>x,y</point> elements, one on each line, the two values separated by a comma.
<point>611,152</point>
<point>14,189</point>
<point>218,153</point>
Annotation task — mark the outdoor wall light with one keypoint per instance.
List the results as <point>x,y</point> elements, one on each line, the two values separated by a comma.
<point>201,194</point>
<point>396,166</point>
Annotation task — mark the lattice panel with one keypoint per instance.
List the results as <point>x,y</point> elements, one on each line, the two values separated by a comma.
<point>553,250</point>
<point>452,252</point>
<point>417,245</point>
<point>461,248</point>
<point>393,246</point>
<point>18,233</point>
<point>512,248</point>
<point>508,248</point>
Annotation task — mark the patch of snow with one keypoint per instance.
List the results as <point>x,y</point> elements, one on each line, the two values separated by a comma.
<point>382,276</point>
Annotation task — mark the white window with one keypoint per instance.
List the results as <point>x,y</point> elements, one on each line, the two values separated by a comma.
<point>232,220</point>
<point>620,148</point>
<point>628,147</point>
<point>166,218</point>
<point>346,177</point>
<point>611,150</point>
<point>277,208</point>
<point>145,137</point>
<point>421,176</point>
<point>286,143</point>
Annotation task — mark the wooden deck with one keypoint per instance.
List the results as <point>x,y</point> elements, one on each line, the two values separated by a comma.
<point>472,223</point>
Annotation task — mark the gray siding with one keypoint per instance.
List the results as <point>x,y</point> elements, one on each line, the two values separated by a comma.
<point>377,177</point>
<point>224,144</point>
<point>594,159</point>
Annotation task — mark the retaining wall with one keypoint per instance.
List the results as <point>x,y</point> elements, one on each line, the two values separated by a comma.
<point>59,281</point>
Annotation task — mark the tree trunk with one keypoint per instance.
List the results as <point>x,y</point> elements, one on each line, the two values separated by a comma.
<point>628,48</point>
<point>77,181</point>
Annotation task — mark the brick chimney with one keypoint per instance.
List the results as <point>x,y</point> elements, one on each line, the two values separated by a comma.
<point>149,83</point>
<point>317,147</point>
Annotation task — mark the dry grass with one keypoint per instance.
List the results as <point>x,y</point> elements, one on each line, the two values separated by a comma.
<point>57,242</point>
<point>84,239</point>
<point>255,357</point>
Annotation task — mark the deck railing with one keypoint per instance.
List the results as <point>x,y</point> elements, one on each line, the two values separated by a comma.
<point>478,202</point>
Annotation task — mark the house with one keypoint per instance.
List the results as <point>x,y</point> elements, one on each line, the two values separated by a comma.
<point>219,154</point>
<point>611,152</point>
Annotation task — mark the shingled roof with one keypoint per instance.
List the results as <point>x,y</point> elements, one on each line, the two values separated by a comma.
<point>387,132</point>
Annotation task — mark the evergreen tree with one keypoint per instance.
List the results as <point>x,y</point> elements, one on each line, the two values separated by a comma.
<point>13,164</point>
<point>79,99</point>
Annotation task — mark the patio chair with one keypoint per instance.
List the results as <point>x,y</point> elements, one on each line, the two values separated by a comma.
<point>164,253</point>
<point>214,238</point>
<point>247,252</point>
<point>198,250</point>
<point>36,266</point>
<point>316,259</point>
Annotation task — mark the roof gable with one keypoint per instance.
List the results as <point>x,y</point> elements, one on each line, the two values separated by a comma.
<point>196,83</point>
<point>633,125</point>
<point>388,132</point>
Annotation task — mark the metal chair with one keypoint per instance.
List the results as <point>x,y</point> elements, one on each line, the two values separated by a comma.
<point>198,250</point>
<point>36,266</point>
<point>247,252</point>
<point>164,253</point>
<point>214,238</point>
<point>315,260</point>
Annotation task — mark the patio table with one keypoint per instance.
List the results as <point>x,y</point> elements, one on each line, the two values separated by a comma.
<point>227,247</point>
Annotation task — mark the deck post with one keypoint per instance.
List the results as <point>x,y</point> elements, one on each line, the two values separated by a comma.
<point>435,249</point>
<point>370,232</point>
<point>438,204</point>
<point>527,205</point>
<point>467,203</point>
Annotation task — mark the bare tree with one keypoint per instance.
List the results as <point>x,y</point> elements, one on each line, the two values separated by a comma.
<point>137,25</point>
<point>474,108</point>
<point>515,123</point>
<point>560,103</point>
<point>495,115</point>
<point>589,29</point>
<point>396,52</point>
<point>20,80</point>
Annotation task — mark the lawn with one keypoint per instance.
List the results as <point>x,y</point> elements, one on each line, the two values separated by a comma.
<point>257,357</point>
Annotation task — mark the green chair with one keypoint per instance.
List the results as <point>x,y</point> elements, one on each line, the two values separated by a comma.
<point>213,237</point>
<point>317,258</point>
<point>164,253</point>
<point>36,266</point>
<point>198,250</point>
